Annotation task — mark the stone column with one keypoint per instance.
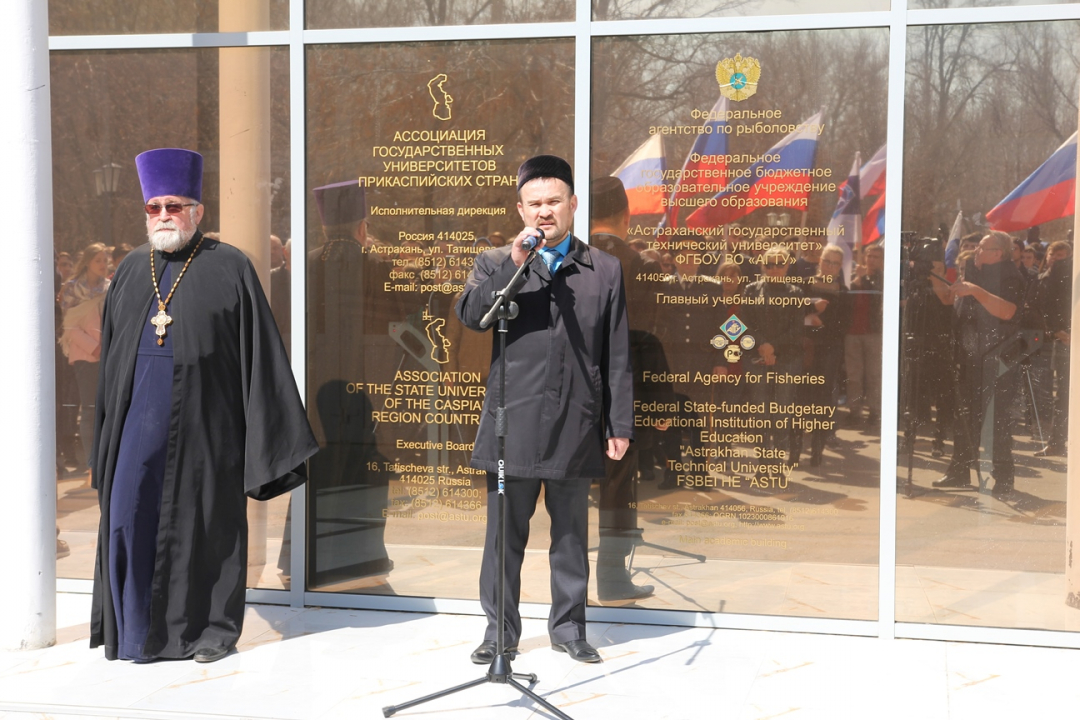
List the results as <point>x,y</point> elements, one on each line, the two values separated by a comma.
<point>28,492</point>
<point>244,108</point>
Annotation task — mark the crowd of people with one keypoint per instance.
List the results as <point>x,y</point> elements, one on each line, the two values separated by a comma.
<point>1000,298</point>
<point>986,346</point>
<point>836,335</point>
<point>801,318</point>
<point>751,340</point>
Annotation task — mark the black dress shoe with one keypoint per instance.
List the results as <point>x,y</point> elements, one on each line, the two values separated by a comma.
<point>952,482</point>
<point>485,654</point>
<point>579,650</point>
<point>1051,450</point>
<point>211,654</point>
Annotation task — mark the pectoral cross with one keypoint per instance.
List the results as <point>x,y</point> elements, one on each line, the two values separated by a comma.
<point>160,321</point>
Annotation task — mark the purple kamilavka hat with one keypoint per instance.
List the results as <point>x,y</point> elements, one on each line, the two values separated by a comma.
<point>170,171</point>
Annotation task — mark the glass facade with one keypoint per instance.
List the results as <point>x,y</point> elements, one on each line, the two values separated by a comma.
<point>130,17</point>
<point>379,13</point>
<point>100,123</point>
<point>794,335</point>
<point>395,382</point>
<point>981,525</point>
<point>750,465</point>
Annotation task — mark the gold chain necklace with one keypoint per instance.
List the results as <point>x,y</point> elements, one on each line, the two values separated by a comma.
<point>161,320</point>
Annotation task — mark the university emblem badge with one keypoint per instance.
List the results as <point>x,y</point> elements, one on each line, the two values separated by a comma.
<point>738,77</point>
<point>733,327</point>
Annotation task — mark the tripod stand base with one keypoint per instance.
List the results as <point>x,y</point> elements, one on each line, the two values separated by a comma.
<point>500,674</point>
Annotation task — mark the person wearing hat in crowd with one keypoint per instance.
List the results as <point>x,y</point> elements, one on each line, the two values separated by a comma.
<point>618,527</point>
<point>569,399</point>
<point>197,411</point>
<point>348,331</point>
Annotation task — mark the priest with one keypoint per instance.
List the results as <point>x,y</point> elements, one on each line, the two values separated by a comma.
<point>197,411</point>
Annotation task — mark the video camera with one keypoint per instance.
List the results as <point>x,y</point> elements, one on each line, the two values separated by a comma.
<point>918,256</point>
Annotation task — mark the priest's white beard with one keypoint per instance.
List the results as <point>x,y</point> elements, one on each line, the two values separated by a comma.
<point>166,237</point>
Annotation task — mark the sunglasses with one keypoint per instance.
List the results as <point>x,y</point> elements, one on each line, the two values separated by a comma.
<point>171,208</point>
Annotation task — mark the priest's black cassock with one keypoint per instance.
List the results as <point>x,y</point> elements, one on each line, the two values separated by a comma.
<point>182,439</point>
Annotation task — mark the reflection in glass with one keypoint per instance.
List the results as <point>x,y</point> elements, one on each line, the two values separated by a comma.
<point>126,17</point>
<point>758,479</point>
<point>395,13</point>
<point>987,297</point>
<point>412,158</point>
<point>100,122</point>
<point>640,9</point>
<point>349,318</point>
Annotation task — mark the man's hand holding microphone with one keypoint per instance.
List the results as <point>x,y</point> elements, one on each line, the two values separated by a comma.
<point>526,241</point>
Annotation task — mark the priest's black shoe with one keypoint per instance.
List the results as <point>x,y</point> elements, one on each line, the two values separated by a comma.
<point>1051,450</point>
<point>950,481</point>
<point>579,650</point>
<point>484,654</point>
<point>209,655</point>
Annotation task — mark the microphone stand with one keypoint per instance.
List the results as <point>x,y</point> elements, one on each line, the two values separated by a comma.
<point>505,310</point>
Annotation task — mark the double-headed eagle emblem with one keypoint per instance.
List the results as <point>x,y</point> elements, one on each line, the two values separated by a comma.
<point>738,77</point>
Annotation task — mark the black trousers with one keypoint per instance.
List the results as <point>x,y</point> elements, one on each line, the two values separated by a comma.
<point>978,385</point>
<point>567,503</point>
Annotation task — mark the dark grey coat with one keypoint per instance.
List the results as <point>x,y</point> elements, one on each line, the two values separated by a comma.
<point>569,381</point>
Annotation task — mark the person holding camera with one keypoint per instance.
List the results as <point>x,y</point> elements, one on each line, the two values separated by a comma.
<point>988,347</point>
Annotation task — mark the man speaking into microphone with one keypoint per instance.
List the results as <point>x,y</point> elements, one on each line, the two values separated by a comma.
<point>569,399</point>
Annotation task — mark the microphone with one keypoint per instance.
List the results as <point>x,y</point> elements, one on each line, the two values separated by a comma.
<point>533,240</point>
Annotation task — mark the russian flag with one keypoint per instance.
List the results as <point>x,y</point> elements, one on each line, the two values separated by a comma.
<point>847,218</point>
<point>642,175</point>
<point>873,224</point>
<point>1047,194</point>
<point>708,153</point>
<point>871,181</point>
<point>782,181</point>
<point>872,175</point>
